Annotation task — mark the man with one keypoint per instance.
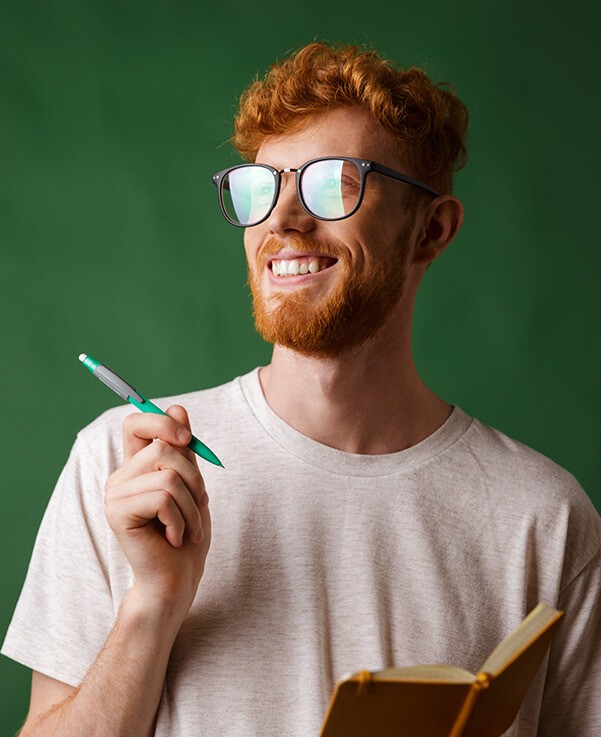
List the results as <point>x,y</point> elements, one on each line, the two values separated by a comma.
<point>361,521</point>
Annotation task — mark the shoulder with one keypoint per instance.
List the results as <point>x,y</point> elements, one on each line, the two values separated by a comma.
<point>521,467</point>
<point>537,491</point>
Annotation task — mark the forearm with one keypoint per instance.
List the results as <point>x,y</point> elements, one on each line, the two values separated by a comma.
<point>120,694</point>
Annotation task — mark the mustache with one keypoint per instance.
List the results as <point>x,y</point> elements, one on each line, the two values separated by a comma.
<point>302,244</point>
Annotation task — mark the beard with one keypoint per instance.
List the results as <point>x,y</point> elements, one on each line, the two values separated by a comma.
<point>345,318</point>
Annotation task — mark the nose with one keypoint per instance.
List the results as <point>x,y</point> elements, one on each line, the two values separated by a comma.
<point>289,215</point>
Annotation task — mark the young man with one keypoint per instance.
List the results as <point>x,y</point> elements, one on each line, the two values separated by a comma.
<point>361,521</point>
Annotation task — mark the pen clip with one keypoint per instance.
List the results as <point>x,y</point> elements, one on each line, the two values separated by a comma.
<point>117,384</point>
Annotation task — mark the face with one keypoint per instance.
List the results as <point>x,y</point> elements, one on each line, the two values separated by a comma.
<point>352,272</point>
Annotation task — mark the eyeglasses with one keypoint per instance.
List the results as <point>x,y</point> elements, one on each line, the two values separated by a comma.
<point>329,188</point>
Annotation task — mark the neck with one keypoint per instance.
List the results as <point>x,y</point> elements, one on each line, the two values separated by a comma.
<point>369,401</point>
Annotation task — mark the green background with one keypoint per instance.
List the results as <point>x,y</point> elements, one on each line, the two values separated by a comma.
<point>114,115</point>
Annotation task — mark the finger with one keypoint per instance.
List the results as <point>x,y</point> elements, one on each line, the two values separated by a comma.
<point>180,415</point>
<point>159,456</point>
<point>134,512</point>
<point>140,429</point>
<point>167,481</point>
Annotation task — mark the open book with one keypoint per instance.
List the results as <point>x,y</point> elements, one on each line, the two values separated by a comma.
<point>442,700</point>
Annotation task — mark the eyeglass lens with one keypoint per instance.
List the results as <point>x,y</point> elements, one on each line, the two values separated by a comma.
<point>330,189</point>
<point>247,193</point>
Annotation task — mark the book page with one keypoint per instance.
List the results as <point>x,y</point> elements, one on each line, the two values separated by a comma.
<point>434,672</point>
<point>535,623</point>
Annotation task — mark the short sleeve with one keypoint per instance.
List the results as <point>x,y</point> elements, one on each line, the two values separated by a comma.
<point>572,703</point>
<point>65,611</point>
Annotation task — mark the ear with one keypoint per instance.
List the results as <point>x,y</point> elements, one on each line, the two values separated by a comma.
<point>440,223</point>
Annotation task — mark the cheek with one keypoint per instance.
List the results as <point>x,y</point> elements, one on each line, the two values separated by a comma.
<point>388,226</point>
<point>348,242</point>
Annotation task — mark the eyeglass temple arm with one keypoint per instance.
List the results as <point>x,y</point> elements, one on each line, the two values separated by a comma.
<point>402,177</point>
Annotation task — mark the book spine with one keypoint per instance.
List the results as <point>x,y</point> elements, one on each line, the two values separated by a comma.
<point>482,682</point>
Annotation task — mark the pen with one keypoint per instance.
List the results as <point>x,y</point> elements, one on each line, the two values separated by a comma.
<point>127,392</point>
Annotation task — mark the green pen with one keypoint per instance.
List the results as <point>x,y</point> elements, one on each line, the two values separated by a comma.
<point>127,392</point>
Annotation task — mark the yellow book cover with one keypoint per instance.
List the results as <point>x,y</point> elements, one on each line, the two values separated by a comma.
<point>443,700</point>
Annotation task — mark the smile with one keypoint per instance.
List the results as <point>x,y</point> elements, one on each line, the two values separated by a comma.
<point>300,266</point>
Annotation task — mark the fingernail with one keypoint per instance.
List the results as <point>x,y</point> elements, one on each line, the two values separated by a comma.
<point>204,499</point>
<point>184,434</point>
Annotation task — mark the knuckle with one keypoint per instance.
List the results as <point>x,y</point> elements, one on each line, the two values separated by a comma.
<point>196,474</point>
<point>175,412</point>
<point>129,422</point>
<point>165,500</point>
<point>170,477</point>
<point>110,483</point>
<point>159,449</point>
<point>110,512</point>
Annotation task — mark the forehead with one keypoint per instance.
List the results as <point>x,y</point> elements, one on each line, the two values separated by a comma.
<point>341,132</point>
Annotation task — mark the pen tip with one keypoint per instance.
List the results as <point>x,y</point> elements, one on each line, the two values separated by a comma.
<point>82,357</point>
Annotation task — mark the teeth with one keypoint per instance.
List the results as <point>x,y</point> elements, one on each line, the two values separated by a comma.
<point>296,266</point>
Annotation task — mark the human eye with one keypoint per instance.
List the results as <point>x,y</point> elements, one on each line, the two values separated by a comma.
<point>349,185</point>
<point>262,190</point>
<point>261,185</point>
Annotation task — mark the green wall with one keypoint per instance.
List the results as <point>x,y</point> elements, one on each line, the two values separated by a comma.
<point>114,115</point>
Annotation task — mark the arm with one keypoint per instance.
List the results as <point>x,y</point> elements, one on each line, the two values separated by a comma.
<point>122,688</point>
<point>157,508</point>
<point>45,692</point>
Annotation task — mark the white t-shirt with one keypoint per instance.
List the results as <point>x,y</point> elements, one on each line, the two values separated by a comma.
<point>324,562</point>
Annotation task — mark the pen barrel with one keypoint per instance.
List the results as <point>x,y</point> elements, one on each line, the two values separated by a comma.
<point>203,451</point>
<point>195,445</point>
<point>145,405</point>
<point>126,391</point>
<point>116,383</point>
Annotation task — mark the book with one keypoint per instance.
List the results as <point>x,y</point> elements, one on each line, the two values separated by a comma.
<point>444,700</point>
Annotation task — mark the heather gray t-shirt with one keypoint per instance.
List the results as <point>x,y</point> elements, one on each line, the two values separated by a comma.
<point>324,562</point>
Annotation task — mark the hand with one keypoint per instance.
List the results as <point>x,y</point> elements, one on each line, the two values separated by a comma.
<point>156,505</point>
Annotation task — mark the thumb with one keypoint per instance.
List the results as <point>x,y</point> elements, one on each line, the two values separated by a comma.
<point>180,415</point>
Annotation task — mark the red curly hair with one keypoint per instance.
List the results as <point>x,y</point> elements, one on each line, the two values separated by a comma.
<point>428,120</point>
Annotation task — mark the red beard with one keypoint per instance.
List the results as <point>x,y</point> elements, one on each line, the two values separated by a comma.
<point>351,313</point>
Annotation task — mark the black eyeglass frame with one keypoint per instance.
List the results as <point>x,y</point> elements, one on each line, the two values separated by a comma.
<point>364,166</point>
